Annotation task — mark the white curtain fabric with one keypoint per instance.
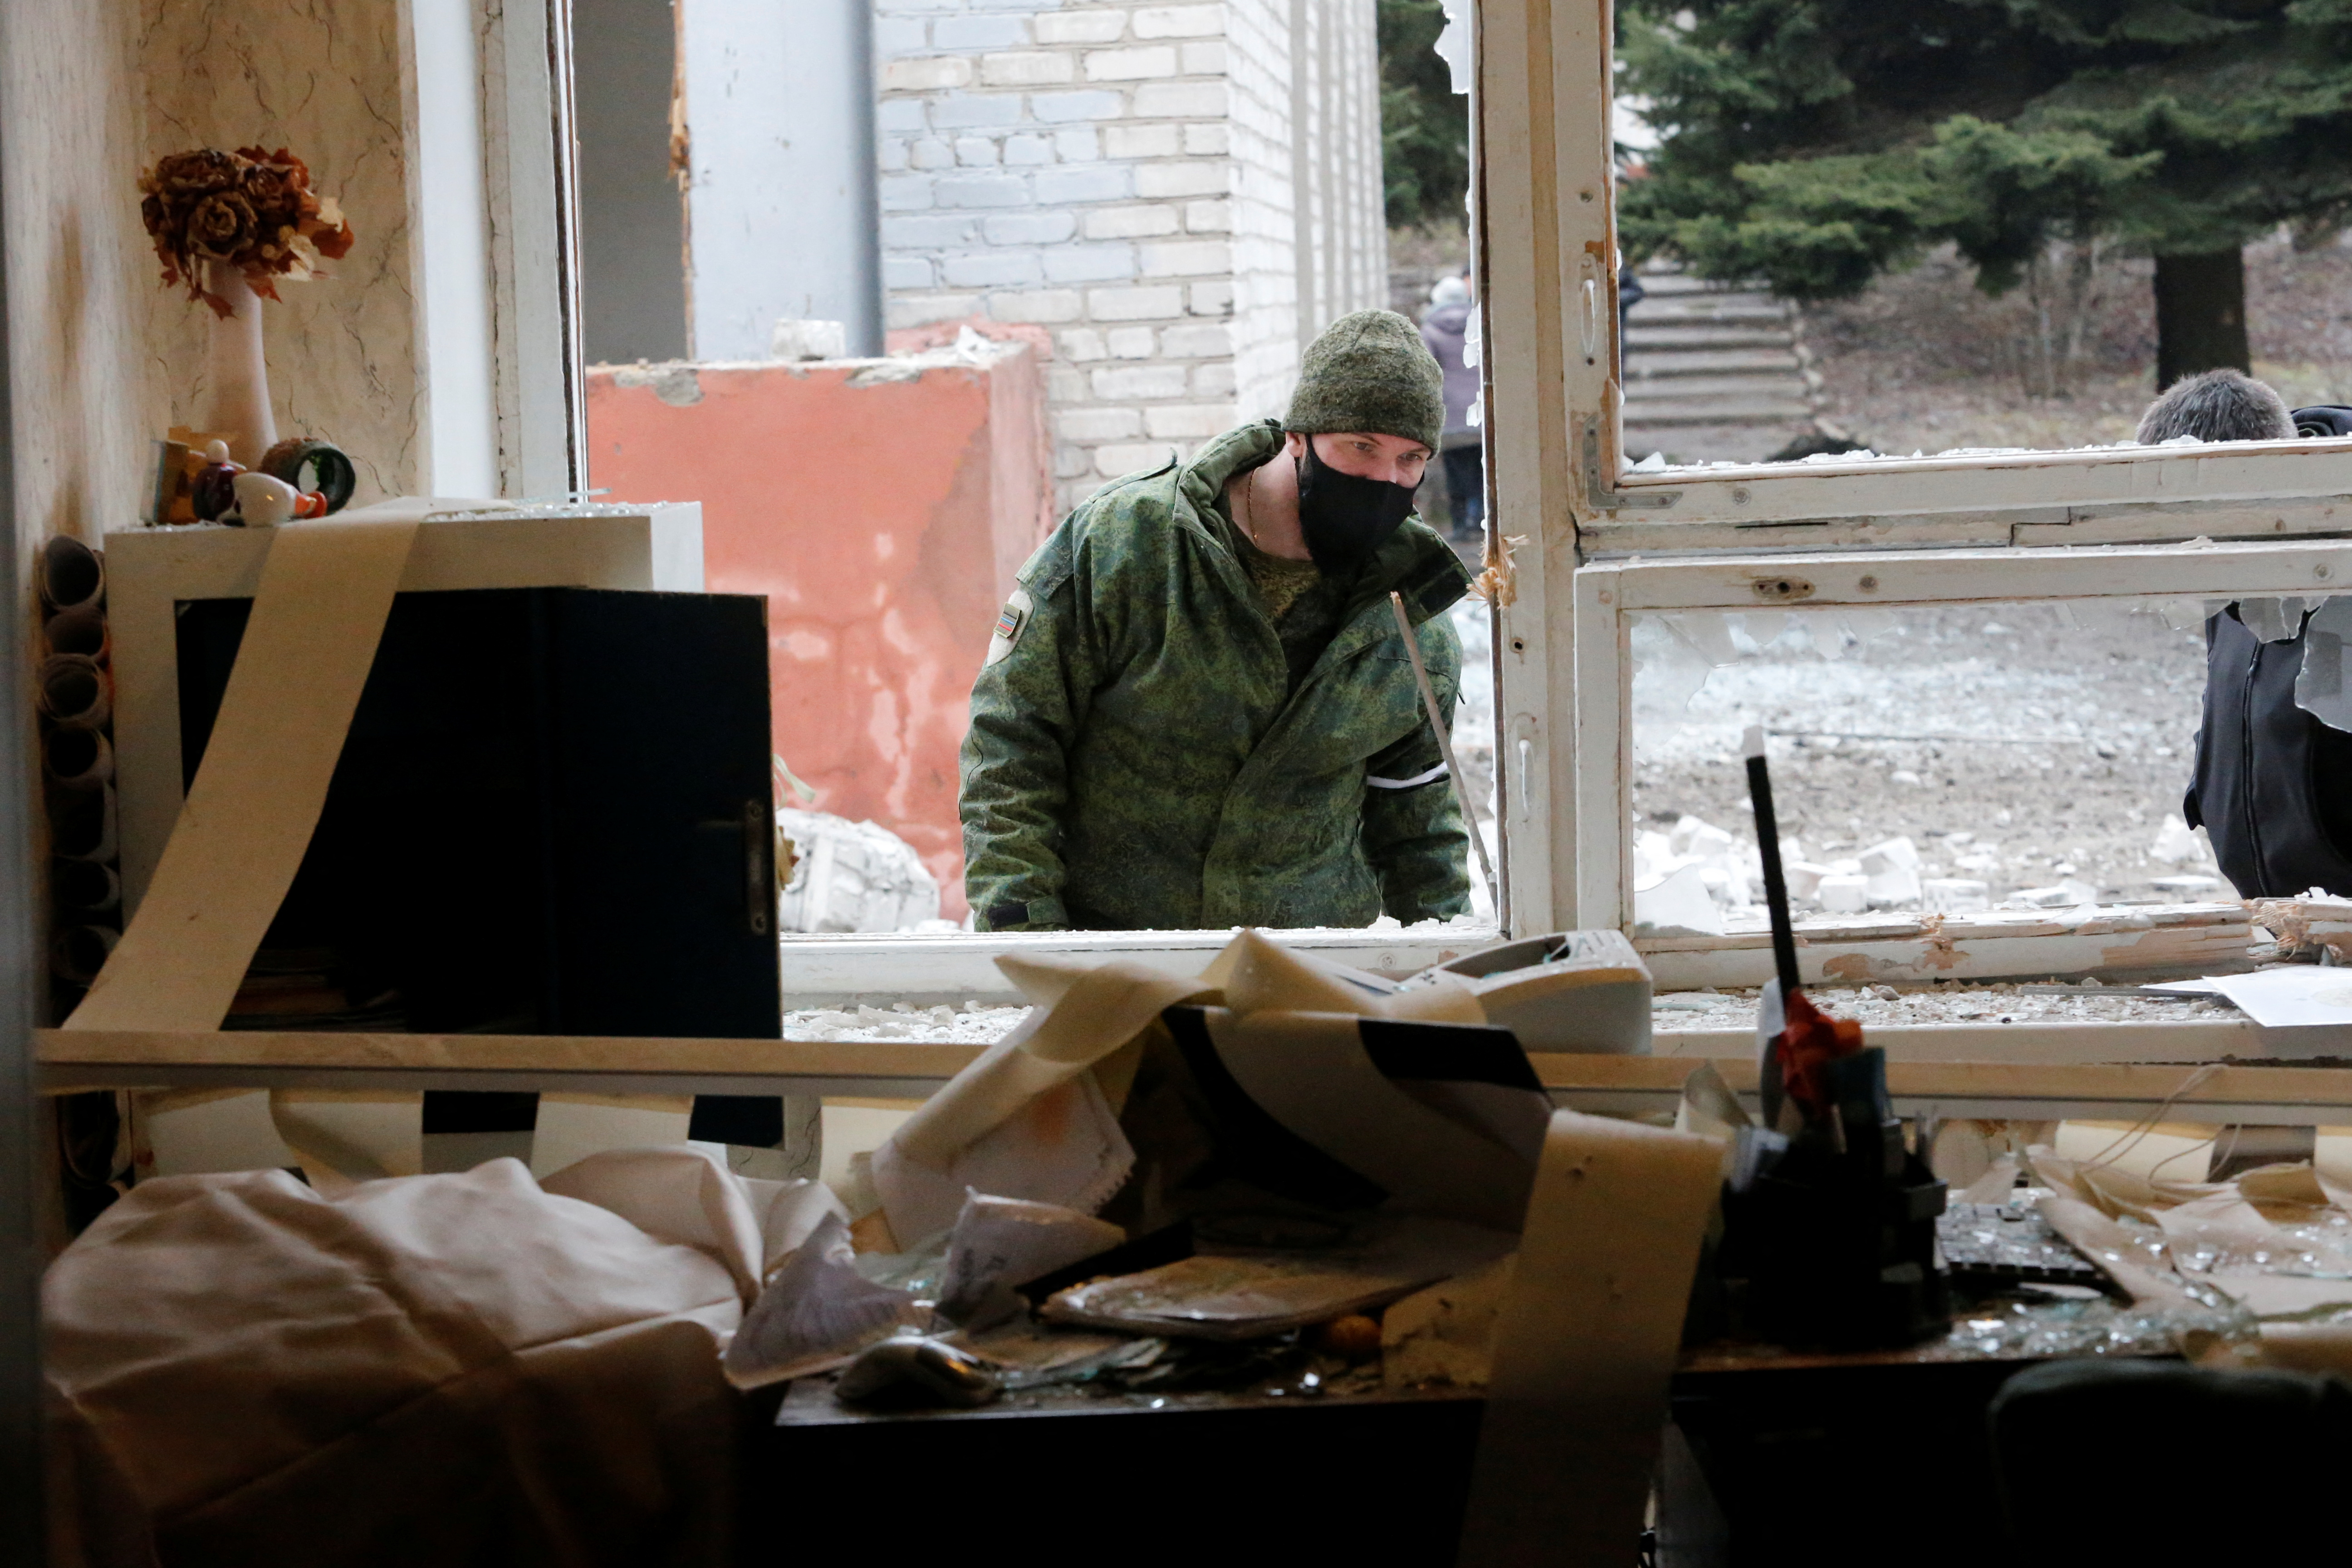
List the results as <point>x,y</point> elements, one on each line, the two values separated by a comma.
<point>445,1369</point>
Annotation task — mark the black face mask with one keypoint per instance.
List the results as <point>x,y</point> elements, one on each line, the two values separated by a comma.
<point>1346,517</point>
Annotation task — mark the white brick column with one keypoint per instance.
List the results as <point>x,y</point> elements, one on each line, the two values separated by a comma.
<point>1081,168</point>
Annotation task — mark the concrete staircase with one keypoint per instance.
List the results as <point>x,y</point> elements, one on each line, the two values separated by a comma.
<point>1712,372</point>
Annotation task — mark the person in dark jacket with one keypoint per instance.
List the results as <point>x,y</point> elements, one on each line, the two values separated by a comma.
<point>2273,786</point>
<point>1450,329</point>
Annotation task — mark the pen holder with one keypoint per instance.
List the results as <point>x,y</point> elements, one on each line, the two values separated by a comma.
<point>1836,1240</point>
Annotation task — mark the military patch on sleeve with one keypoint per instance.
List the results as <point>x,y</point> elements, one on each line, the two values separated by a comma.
<point>1009,624</point>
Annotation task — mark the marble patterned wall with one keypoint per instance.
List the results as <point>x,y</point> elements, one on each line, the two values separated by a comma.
<point>76,280</point>
<point>322,78</point>
<point>104,359</point>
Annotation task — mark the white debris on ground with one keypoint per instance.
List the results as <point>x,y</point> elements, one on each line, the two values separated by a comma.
<point>1473,923</point>
<point>853,877</point>
<point>1938,758</point>
<point>2001,1002</point>
<point>970,1025</point>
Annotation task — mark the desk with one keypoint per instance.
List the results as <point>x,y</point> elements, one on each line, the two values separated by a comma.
<point>70,1060</point>
<point>1874,1458</point>
<point>1276,1476</point>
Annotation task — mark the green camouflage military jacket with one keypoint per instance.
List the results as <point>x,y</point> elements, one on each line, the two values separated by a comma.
<point>1136,758</point>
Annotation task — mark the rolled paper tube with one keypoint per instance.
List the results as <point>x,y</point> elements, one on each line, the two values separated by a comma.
<point>71,574</point>
<point>77,952</point>
<point>308,464</point>
<point>82,630</point>
<point>84,887</point>
<point>75,691</point>
<point>81,827</point>
<point>78,759</point>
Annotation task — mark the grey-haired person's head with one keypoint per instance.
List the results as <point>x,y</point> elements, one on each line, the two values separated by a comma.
<point>2217,406</point>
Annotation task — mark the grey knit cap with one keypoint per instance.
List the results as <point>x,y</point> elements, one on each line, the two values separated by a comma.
<point>1370,371</point>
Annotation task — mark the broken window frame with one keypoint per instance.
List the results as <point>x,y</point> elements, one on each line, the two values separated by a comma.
<point>1562,502</point>
<point>1609,594</point>
<point>2083,495</point>
<point>531,198</point>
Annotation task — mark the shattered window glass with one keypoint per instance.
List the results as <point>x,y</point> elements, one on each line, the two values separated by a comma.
<point>1937,759</point>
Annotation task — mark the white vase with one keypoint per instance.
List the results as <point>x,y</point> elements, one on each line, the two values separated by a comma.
<point>237,376</point>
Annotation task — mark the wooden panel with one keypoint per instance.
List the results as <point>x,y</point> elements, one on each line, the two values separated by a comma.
<point>1942,577</point>
<point>2263,1095</point>
<point>1621,1085</point>
<point>827,970</point>
<point>534,247</point>
<point>1603,752</point>
<point>1962,948</point>
<point>510,1053</point>
<point>2043,1041</point>
<point>1528,466</point>
<point>2106,482</point>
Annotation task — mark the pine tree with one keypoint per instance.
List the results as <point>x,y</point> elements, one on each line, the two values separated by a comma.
<point>1816,143</point>
<point>1425,127</point>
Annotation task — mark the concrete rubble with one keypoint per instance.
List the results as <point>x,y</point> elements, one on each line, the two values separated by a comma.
<point>1935,760</point>
<point>1696,879</point>
<point>970,1025</point>
<point>853,877</point>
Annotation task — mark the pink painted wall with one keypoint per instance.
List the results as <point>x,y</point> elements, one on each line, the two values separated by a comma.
<point>882,507</point>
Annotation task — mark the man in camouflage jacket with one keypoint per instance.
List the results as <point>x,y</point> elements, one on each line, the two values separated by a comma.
<point>1175,730</point>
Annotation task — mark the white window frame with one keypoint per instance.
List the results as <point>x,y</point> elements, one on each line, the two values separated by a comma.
<point>532,195</point>
<point>1609,595</point>
<point>538,386</point>
<point>2098,496</point>
<point>1559,486</point>
<point>1544,161</point>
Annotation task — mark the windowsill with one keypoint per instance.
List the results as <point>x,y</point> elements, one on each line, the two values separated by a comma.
<point>2140,940</point>
<point>952,967</point>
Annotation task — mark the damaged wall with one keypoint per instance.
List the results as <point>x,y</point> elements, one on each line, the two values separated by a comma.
<point>882,508</point>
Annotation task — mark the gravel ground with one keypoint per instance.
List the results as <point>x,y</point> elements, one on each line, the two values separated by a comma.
<point>1992,1003</point>
<point>2011,744</point>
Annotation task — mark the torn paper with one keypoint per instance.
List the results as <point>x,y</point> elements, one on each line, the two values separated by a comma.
<point>816,1314</point>
<point>999,1242</point>
<point>1028,1120</point>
